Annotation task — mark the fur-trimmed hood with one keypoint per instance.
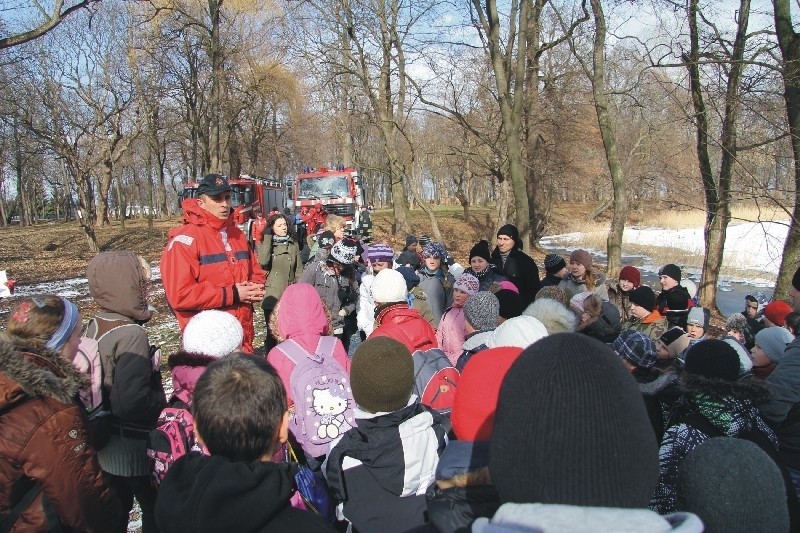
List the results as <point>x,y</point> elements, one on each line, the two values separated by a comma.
<point>28,372</point>
<point>184,358</point>
<point>747,388</point>
<point>554,315</point>
<point>186,369</point>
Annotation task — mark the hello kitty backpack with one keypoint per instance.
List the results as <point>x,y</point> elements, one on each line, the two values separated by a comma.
<point>323,400</point>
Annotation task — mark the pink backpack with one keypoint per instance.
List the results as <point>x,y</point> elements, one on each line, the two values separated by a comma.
<point>89,362</point>
<point>173,437</point>
<point>322,396</point>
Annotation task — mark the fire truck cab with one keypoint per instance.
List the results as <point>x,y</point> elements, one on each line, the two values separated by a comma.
<point>339,190</point>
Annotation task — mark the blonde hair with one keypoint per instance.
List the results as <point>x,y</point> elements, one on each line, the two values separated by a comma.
<point>474,478</point>
<point>591,280</point>
<point>335,222</point>
<point>36,319</point>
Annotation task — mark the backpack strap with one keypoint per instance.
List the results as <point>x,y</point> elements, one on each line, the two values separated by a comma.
<point>326,346</point>
<point>295,352</point>
<point>11,518</point>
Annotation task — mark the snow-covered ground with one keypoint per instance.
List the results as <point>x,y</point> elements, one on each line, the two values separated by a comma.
<point>749,246</point>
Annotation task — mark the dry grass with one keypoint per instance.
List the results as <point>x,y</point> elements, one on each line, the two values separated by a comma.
<point>694,218</point>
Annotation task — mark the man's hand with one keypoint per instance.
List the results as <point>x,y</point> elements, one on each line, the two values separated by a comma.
<point>250,292</point>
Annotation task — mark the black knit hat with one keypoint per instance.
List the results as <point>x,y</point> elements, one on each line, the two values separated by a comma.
<point>481,250</point>
<point>710,481</point>
<point>713,359</point>
<point>382,375</point>
<point>553,263</point>
<point>511,304</point>
<point>672,271</point>
<point>796,279</point>
<point>643,297</point>
<point>572,428</point>
<point>510,230</point>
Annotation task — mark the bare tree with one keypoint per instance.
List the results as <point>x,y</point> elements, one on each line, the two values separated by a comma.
<point>597,77</point>
<point>789,42</point>
<point>50,17</point>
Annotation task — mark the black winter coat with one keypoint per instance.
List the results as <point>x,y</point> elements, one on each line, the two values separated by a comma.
<point>521,270</point>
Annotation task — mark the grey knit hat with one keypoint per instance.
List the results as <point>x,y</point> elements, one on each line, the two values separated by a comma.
<point>773,341</point>
<point>710,482</point>
<point>699,316</point>
<point>482,311</point>
<point>736,322</point>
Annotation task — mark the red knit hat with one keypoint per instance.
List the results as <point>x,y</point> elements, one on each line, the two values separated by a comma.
<point>776,312</point>
<point>631,273</point>
<point>478,389</point>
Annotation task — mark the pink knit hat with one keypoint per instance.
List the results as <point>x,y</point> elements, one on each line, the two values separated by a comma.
<point>467,283</point>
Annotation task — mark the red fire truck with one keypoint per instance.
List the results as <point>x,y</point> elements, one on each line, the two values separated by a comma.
<point>340,191</point>
<point>251,196</point>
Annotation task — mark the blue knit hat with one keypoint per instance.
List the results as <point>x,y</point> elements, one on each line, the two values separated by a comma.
<point>637,348</point>
<point>435,249</point>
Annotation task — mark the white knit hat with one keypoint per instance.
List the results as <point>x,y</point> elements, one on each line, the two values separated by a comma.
<point>521,331</point>
<point>213,333</point>
<point>389,286</point>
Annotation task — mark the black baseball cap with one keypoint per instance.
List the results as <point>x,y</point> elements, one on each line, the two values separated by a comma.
<point>213,184</point>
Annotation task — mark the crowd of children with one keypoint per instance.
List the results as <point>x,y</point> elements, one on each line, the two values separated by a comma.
<point>401,392</point>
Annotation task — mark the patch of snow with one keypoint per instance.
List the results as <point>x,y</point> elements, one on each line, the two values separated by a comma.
<point>750,246</point>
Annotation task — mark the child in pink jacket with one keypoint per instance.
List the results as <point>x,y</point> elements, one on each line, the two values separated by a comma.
<point>452,326</point>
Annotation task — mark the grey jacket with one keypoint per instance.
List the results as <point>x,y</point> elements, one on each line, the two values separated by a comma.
<point>572,286</point>
<point>782,411</point>
<point>328,287</point>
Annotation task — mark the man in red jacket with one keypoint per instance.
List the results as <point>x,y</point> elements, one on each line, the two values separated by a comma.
<point>208,264</point>
<point>394,318</point>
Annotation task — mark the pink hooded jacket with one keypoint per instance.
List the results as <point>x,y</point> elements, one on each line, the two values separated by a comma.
<point>302,318</point>
<point>451,333</point>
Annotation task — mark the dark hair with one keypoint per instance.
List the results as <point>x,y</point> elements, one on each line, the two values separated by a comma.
<point>289,227</point>
<point>750,298</point>
<point>238,405</point>
<point>793,323</point>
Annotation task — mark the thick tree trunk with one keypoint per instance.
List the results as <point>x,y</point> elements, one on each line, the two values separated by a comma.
<point>607,133</point>
<point>215,155</point>
<point>717,194</point>
<point>789,42</point>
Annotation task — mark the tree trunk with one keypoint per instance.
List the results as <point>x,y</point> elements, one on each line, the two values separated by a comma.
<point>105,185</point>
<point>87,210</point>
<point>502,204</point>
<point>717,194</point>
<point>511,99</point>
<point>789,42</point>
<point>608,134</point>
<point>121,207</point>
<point>215,103</point>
